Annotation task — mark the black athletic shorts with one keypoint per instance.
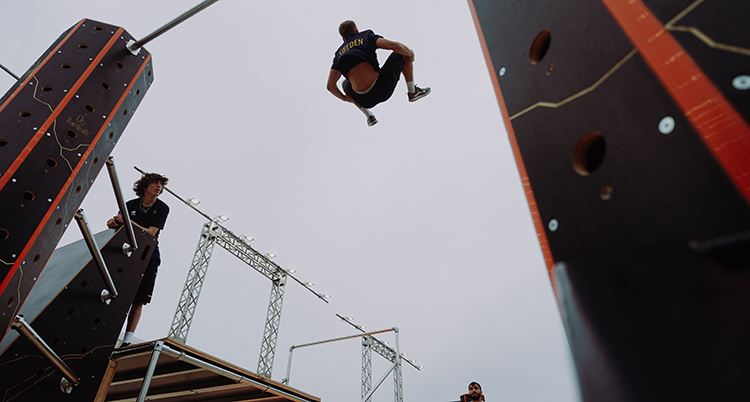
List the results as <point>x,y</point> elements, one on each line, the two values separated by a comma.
<point>143,295</point>
<point>390,73</point>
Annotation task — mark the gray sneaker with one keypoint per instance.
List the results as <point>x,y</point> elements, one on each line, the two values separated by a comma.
<point>418,93</point>
<point>371,121</point>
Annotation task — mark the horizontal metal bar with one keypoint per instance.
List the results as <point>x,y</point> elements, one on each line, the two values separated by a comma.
<point>342,338</point>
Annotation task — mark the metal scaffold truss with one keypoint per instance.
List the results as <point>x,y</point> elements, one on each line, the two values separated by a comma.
<point>370,344</point>
<point>212,234</point>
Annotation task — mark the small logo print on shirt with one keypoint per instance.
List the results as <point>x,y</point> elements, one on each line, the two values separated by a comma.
<point>132,213</point>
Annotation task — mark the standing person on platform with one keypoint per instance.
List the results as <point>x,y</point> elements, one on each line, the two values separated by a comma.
<point>150,214</point>
<point>366,83</point>
<point>475,393</point>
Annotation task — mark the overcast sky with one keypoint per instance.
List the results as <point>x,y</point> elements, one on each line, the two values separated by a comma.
<point>419,222</point>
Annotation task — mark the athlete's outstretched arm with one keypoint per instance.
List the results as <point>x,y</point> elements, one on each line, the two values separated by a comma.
<point>397,47</point>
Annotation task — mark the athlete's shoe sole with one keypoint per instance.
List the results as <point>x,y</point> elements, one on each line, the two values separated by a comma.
<point>418,93</point>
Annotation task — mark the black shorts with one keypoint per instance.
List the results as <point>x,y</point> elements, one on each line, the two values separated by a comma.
<point>390,73</point>
<point>143,295</point>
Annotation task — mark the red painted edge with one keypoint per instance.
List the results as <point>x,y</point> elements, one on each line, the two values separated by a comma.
<point>535,216</point>
<point>46,59</point>
<point>722,129</point>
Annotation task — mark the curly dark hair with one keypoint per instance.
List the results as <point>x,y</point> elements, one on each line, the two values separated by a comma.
<point>347,29</point>
<point>142,184</point>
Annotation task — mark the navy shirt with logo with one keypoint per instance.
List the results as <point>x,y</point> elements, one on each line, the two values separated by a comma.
<point>357,49</point>
<point>155,215</point>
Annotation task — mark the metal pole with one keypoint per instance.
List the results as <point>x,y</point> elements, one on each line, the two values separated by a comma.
<point>133,46</point>
<point>110,292</point>
<point>121,205</point>
<point>397,380</point>
<point>345,337</point>
<point>23,328</point>
<point>150,372</point>
<point>9,72</point>
<point>288,367</point>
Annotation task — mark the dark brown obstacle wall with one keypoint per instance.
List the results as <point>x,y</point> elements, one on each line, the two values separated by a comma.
<point>628,122</point>
<point>59,123</point>
<point>625,131</point>
<point>66,310</point>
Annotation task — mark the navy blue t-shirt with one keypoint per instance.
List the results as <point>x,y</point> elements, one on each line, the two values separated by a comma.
<point>155,215</point>
<point>360,47</point>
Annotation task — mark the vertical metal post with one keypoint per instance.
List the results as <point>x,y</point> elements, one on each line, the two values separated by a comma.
<point>150,371</point>
<point>110,292</point>
<point>366,366</point>
<point>288,367</point>
<point>271,330</point>
<point>183,316</point>
<point>398,386</point>
<point>128,248</point>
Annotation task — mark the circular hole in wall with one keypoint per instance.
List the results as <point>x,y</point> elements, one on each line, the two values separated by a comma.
<point>539,47</point>
<point>589,153</point>
<point>28,196</point>
<point>4,234</point>
<point>51,162</point>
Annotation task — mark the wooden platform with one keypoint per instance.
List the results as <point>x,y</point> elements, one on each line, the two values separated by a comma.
<point>184,374</point>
